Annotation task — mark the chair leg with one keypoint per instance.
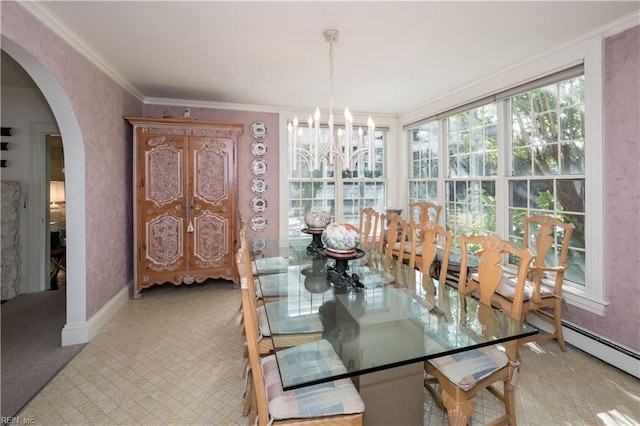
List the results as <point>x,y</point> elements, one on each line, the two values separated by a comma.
<point>248,390</point>
<point>458,412</point>
<point>429,382</point>
<point>557,321</point>
<point>246,407</point>
<point>509,403</point>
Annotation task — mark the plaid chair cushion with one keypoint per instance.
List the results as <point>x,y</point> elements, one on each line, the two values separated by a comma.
<point>465,369</point>
<point>507,287</point>
<point>302,324</point>
<point>273,285</point>
<point>326,399</point>
<point>269,265</point>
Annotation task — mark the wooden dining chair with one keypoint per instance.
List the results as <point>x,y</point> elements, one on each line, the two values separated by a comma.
<point>463,375</point>
<point>244,270</point>
<point>431,236</point>
<point>369,228</point>
<point>549,239</point>
<point>396,235</point>
<point>423,211</point>
<point>271,286</point>
<point>382,241</point>
<point>264,343</point>
<point>419,212</point>
<point>333,403</point>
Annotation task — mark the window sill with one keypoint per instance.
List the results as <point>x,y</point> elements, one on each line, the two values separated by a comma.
<point>577,297</point>
<point>574,295</point>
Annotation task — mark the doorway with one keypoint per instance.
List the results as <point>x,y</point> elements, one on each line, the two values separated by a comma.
<point>57,213</point>
<point>76,328</point>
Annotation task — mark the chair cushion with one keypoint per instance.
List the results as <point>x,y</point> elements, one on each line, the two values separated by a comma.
<point>405,246</point>
<point>272,285</point>
<point>263,324</point>
<point>325,399</point>
<point>309,323</point>
<point>467,368</point>
<point>269,265</point>
<point>507,287</point>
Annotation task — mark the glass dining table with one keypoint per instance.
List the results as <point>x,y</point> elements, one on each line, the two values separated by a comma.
<point>383,328</point>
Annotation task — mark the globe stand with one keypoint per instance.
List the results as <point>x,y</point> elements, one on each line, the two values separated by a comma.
<point>316,247</point>
<point>337,273</point>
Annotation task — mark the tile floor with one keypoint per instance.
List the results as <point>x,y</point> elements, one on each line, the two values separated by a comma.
<point>175,357</point>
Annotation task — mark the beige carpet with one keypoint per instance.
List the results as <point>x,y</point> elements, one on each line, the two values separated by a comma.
<point>30,346</point>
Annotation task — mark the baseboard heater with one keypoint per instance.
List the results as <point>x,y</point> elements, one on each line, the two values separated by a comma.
<point>618,356</point>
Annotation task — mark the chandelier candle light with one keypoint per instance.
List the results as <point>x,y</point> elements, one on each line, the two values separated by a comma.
<point>335,149</point>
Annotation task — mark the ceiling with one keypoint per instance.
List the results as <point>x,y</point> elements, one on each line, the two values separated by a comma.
<point>390,56</point>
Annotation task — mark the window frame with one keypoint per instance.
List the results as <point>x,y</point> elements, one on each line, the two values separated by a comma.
<point>591,295</point>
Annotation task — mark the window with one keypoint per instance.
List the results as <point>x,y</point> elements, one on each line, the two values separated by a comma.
<point>343,193</point>
<point>547,162</point>
<point>519,152</point>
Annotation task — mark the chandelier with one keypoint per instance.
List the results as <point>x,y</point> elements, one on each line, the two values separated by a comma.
<point>339,146</point>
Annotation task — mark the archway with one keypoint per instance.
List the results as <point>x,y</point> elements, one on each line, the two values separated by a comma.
<point>76,328</point>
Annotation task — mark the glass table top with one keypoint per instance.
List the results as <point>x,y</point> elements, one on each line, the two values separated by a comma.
<point>400,317</point>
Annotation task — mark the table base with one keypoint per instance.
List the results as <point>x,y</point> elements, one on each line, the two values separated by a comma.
<point>394,396</point>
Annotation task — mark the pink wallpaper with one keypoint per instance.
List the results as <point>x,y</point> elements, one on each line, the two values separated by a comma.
<point>245,157</point>
<point>622,194</point>
<point>99,105</point>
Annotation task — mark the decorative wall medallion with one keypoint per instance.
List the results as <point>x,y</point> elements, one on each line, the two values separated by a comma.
<point>258,148</point>
<point>259,185</point>
<point>258,167</point>
<point>258,130</point>
<point>258,245</point>
<point>258,223</point>
<point>258,204</point>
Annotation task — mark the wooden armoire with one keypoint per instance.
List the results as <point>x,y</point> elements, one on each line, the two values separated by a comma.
<point>185,201</point>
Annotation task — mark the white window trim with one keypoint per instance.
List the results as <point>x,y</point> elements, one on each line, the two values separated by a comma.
<point>590,297</point>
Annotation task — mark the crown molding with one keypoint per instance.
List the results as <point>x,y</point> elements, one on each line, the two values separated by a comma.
<point>44,15</point>
<point>622,24</point>
<point>191,103</point>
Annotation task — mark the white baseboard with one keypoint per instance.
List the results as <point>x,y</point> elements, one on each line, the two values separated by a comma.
<point>625,359</point>
<point>73,334</point>
<point>109,310</point>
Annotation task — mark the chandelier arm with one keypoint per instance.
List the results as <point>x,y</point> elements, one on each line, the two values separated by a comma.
<point>307,157</point>
<point>357,155</point>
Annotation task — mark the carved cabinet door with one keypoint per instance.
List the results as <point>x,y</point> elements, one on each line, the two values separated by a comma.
<point>162,199</point>
<point>211,208</point>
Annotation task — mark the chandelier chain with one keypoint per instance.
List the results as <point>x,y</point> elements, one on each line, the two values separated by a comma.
<point>331,36</point>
